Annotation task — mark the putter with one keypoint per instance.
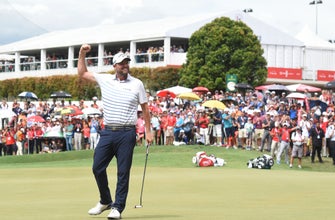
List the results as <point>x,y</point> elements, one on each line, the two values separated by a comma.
<point>145,168</point>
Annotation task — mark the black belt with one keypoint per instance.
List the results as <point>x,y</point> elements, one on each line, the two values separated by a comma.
<point>119,127</point>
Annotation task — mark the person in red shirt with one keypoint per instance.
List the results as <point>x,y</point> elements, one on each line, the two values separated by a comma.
<point>38,138</point>
<point>10,141</point>
<point>140,129</point>
<point>164,124</point>
<point>31,140</point>
<point>202,123</point>
<point>86,134</point>
<point>171,122</point>
<point>285,142</point>
<point>275,134</point>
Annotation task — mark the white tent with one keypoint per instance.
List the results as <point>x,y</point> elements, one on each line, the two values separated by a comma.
<point>310,39</point>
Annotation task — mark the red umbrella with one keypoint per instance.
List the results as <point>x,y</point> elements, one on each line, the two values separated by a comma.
<point>302,87</point>
<point>165,93</point>
<point>200,89</point>
<point>272,87</point>
<point>35,119</point>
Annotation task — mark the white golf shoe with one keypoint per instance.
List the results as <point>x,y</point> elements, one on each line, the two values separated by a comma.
<point>114,214</point>
<point>98,209</point>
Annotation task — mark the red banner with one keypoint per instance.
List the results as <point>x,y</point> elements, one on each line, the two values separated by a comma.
<point>325,75</point>
<point>284,73</point>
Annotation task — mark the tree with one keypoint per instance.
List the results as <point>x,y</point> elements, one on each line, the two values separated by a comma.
<point>223,47</point>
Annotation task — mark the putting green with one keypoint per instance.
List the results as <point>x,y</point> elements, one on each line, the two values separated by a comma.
<point>171,193</point>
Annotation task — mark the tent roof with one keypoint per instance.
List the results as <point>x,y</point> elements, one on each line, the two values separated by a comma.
<point>310,39</point>
<point>268,34</point>
<point>180,27</point>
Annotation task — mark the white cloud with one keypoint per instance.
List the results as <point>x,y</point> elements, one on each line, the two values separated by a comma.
<point>125,7</point>
<point>41,15</point>
<point>31,9</point>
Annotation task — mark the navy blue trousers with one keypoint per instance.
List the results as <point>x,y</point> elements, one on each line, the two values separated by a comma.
<point>118,144</point>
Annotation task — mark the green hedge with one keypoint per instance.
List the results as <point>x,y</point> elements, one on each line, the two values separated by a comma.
<point>153,79</point>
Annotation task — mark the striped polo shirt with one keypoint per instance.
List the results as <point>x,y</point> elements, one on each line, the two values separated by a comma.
<point>120,98</point>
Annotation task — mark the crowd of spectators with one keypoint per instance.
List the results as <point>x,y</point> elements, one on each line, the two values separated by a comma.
<point>55,132</point>
<point>7,66</point>
<point>266,121</point>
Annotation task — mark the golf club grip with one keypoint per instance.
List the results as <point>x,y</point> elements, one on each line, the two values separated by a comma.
<point>147,149</point>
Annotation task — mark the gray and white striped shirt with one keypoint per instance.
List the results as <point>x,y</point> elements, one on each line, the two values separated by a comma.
<point>120,98</point>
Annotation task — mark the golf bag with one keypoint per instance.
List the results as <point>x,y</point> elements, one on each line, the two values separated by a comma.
<point>261,162</point>
<point>202,160</point>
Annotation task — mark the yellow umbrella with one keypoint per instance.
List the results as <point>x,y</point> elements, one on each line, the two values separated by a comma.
<point>189,96</point>
<point>214,104</point>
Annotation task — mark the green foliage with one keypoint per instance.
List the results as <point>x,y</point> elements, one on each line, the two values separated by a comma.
<point>223,47</point>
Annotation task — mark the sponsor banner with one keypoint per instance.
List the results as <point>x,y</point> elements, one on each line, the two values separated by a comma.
<point>231,80</point>
<point>325,75</point>
<point>284,73</point>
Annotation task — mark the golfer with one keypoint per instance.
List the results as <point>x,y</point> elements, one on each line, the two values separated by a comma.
<point>121,94</point>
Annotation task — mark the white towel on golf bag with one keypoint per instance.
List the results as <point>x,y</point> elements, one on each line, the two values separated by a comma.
<point>201,159</point>
<point>261,162</point>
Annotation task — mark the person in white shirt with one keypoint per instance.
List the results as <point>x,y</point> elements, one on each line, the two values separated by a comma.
<point>330,133</point>
<point>297,151</point>
<point>305,126</point>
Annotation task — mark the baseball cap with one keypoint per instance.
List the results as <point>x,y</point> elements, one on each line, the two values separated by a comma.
<point>119,57</point>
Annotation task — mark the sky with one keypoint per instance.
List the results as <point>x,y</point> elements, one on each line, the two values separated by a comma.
<point>22,19</point>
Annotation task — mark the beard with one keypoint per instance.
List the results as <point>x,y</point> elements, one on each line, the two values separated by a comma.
<point>122,75</point>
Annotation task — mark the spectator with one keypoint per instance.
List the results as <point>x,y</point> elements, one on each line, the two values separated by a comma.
<point>178,126</point>
<point>164,124</point>
<point>140,129</point>
<point>38,137</point>
<point>171,122</point>
<point>316,135</point>
<point>258,132</point>
<point>249,129</point>
<point>11,148</point>
<point>305,126</point>
<point>188,127</point>
<point>227,122</point>
<point>156,127</point>
<point>297,151</point>
<point>330,135</point>
<point>275,138</point>
<point>266,138</point>
<point>68,132</point>
<point>94,128</point>
<point>284,143</point>
<point>86,134</point>
<point>203,123</point>
<point>78,134</point>
<point>217,128</point>
<point>242,134</point>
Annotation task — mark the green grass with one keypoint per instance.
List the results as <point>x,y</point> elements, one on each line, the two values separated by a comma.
<point>61,186</point>
<point>159,156</point>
